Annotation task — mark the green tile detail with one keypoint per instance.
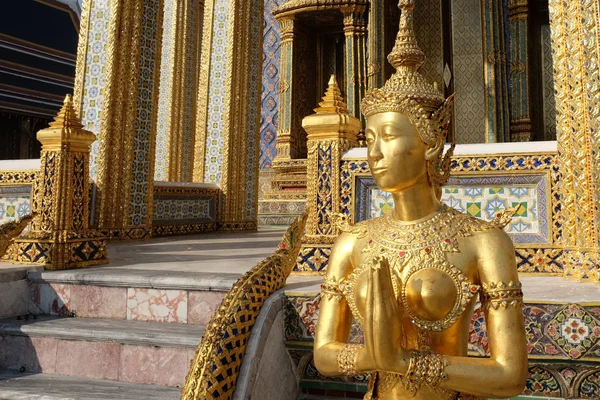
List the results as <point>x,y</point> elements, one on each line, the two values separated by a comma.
<point>522,211</point>
<point>474,209</point>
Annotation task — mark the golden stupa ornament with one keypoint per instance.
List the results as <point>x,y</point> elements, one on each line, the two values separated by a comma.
<point>409,93</point>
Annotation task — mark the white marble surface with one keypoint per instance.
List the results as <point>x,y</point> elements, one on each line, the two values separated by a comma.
<point>479,149</point>
<point>21,386</point>
<point>19,165</point>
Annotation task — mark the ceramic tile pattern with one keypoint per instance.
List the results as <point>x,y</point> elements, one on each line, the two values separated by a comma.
<point>94,80</point>
<point>15,202</point>
<point>270,84</point>
<point>140,190</point>
<point>182,209</point>
<point>164,99</point>
<point>217,93</point>
<point>483,197</point>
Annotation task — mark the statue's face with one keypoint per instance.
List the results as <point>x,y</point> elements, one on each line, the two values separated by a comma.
<point>396,152</point>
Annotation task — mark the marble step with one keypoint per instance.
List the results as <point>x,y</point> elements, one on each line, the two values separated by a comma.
<point>27,386</point>
<point>126,294</point>
<point>128,351</point>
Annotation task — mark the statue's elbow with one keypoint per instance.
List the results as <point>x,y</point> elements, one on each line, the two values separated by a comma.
<point>515,384</point>
<point>322,362</point>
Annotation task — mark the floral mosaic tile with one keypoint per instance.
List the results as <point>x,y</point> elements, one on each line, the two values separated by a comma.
<point>481,197</point>
<point>15,202</point>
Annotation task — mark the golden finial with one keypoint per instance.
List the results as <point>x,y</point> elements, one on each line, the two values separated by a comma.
<point>66,129</point>
<point>67,116</point>
<point>333,102</point>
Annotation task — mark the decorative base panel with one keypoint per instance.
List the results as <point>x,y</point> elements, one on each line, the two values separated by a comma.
<point>74,253</point>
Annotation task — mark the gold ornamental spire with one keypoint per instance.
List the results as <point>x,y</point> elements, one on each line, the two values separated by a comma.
<point>406,51</point>
<point>333,102</point>
<point>66,131</point>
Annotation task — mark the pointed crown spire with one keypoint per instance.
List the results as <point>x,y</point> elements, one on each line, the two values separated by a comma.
<point>409,93</point>
<point>406,91</point>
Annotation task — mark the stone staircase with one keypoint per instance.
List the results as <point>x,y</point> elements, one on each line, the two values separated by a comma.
<point>127,330</point>
<point>110,329</point>
<point>103,327</point>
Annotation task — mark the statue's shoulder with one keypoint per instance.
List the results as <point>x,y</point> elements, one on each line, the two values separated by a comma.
<point>344,224</point>
<point>472,225</point>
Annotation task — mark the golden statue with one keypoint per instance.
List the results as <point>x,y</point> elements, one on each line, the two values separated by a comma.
<point>411,278</point>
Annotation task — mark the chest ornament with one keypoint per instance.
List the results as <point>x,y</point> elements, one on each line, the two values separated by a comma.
<point>415,250</point>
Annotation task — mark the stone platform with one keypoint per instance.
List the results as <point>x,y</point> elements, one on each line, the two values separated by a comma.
<point>128,327</point>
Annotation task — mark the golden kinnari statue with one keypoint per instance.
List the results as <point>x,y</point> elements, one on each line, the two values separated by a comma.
<point>411,278</point>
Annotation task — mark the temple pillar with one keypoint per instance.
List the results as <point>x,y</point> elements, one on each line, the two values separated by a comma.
<point>331,132</point>
<point>228,108</point>
<point>284,146</point>
<point>575,28</point>
<point>356,69</point>
<point>116,92</point>
<point>176,127</point>
<point>520,112</point>
<point>376,45</point>
<point>495,73</point>
<point>59,236</point>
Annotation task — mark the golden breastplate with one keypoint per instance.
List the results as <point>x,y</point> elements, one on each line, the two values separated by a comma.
<point>430,290</point>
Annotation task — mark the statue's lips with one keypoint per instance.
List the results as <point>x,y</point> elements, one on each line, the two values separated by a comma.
<point>378,171</point>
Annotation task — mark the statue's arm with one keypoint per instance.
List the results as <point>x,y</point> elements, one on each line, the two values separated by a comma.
<point>504,374</point>
<point>335,317</point>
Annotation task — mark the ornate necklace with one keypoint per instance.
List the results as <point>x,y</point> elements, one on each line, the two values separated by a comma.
<point>413,247</point>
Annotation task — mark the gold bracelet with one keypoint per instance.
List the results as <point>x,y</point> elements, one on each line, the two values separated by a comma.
<point>347,359</point>
<point>425,367</point>
<point>333,288</point>
<point>502,295</point>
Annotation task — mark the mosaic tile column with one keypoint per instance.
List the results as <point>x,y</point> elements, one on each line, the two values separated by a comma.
<point>356,45</point>
<point>284,135</point>
<point>495,72</point>
<point>116,91</point>
<point>520,113</point>
<point>176,129</point>
<point>228,117</point>
<point>575,28</point>
<point>331,132</point>
<point>376,45</point>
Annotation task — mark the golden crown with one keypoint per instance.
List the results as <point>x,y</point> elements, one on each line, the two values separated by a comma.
<point>409,93</point>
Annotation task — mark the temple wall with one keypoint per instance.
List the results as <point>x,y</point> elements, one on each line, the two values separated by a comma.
<point>469,83</point>
<point>270,84</point>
